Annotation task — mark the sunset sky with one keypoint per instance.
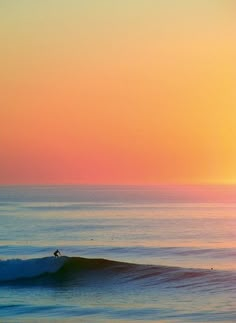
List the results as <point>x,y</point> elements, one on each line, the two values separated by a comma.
<point>117,92</point>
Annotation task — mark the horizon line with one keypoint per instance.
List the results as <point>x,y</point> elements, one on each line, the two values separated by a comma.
<point>119,184</point>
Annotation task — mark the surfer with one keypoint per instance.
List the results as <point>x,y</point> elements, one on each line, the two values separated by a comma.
<point>57,253</point>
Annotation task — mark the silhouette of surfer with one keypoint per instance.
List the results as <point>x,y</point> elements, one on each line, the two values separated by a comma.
<point>57,253</point>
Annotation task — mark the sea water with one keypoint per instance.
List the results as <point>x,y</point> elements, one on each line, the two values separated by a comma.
<point>129,253</point>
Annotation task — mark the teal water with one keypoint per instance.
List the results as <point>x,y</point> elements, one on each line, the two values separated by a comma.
<point>129,254</point>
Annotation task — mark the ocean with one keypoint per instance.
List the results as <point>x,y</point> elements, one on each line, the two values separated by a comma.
<point>128,254</point>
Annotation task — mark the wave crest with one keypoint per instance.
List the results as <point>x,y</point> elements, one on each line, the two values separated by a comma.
<point>51,271</point>
<point>14,269</point>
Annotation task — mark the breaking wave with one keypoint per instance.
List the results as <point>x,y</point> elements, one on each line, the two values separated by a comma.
<point>14,269</point>
<point>63,269</point>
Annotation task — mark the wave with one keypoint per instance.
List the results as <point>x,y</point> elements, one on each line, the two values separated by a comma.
<point>14,269</point>
<point>51,270</point>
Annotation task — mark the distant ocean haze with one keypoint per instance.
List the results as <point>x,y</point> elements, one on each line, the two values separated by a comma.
<point>119,193</point>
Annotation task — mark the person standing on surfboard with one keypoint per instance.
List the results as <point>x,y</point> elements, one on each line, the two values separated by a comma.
<point>57,253</point>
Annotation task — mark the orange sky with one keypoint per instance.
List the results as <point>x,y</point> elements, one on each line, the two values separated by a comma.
<point>119,92</point>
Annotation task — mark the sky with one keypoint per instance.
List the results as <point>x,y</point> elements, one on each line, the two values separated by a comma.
<point>117,92</point>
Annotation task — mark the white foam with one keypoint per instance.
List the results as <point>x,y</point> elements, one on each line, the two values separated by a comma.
<point>17,268</point>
